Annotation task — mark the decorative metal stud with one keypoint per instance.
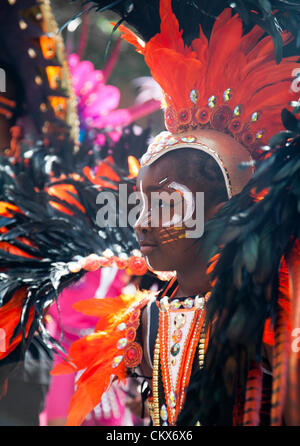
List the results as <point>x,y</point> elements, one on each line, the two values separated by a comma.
<point>43,107</point>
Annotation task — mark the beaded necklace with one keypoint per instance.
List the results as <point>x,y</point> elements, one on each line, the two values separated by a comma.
<point>181,330</point>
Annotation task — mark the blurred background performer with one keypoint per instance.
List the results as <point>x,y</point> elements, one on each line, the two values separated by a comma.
<point>36,103</point>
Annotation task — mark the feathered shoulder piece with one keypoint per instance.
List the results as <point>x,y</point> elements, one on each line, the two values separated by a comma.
<point>108,354</point>
<point>229,82</point>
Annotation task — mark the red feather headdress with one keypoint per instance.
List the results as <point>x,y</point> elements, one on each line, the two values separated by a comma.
<point>230,84</point>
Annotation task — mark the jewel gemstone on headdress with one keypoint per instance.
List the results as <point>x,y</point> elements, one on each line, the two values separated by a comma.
<point>121,343</point>
<point>188,139</point>
<point>121,326</point>
<point>194,96</point>
<point>177,336</point>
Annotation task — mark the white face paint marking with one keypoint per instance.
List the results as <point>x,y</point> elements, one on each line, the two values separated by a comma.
<point>188,200</point>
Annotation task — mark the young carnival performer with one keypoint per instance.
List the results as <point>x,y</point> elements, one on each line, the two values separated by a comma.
<point>223,97</point>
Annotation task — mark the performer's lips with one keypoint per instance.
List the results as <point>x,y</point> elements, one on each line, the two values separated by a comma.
<point>147,247</point>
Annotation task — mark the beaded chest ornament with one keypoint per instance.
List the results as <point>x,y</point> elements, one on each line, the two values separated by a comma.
<point>181,330</point>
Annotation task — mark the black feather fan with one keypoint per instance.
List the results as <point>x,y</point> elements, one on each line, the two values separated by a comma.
<point>40,232</point>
